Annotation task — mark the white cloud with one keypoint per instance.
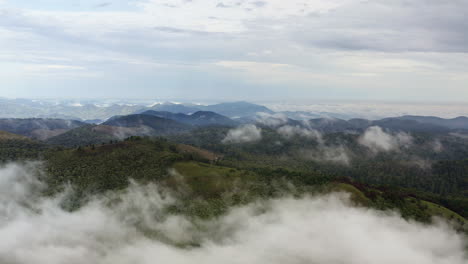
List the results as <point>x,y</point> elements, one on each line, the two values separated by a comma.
<point>135,229</point>
<point>378,140</point>
<point>323,153</point>
<point>243,134</point>
<point>271,120</point>
<point>370,110</point>
<point>437,145</point>
<point>293,131</point>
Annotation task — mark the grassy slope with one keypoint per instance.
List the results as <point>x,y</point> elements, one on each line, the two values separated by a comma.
<point>10,136</point>
<point>210,182</point>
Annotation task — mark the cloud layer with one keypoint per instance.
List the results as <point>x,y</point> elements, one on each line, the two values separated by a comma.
<point>339,49</point>
<point>136,229</point>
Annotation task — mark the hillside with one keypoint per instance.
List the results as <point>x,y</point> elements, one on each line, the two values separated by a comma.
<point>199,118</point>
<point>15,147</point>
<point>10,136</point>
<point>460,122</point>
<point>237,109</point>
<point>38,128</point>
<point>205,189</point>
<point>170,107</point>
<point>104,167</point>
<point>85,135</point>
<point>156,125</point>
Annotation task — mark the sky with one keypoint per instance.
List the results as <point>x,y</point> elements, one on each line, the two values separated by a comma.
<point>393,50</point>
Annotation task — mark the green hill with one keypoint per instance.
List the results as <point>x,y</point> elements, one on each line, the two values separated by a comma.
<point>157,126</point>
<point>85,135</point>
<point>15,147</point>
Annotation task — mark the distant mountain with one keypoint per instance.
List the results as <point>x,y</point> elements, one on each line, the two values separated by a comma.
<point>460,122</point>
<point>10,136</point>
<point>155,124</point>
<point>26,108</point>
<point>200,118</point>
<point>150,123</point>
<point>38,128</point>
<point>409,125</point>
<point>170,107</point>
<point>333,124</point>
<point>360,123</point>
<point>237,109</point>
<point>93,121</point>
<point>397,124</point>
<point>301,115</point>
<point>119,128</point>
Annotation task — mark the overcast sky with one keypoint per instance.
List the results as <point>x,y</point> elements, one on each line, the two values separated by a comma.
<point>414,50</point>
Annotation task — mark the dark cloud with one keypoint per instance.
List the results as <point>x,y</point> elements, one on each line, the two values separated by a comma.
<point>396,26</point>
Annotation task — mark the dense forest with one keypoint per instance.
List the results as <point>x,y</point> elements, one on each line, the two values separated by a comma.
<point>217,176</point>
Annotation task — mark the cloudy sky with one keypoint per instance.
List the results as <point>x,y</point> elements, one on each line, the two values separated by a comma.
<point>235,49</point>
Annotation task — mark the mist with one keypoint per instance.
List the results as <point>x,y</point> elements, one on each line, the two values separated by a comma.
<point>243,134</point>
<point>133,226</point>
<point>289,132</point>
<point>377,140</point>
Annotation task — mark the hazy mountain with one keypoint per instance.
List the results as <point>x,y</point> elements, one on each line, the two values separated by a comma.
<point>409,125</point>
<point>397,124</point>
<point>93,121</point>
<point>333,124</point>
<point>10,136</point>
<point>170,107</point>
<point>38,128</point>
<point>234,109</point>
<point>200,118</point>
<point>237,109</point>
<point>118,128</point>
<point>460,122</point>
<point>301,115</point>
<point>26,108</point>
<point>156,125</point>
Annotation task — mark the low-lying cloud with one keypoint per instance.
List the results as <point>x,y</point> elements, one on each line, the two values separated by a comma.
<point>136,228</point>
<point>335,154</point>
<point>293,131</point>
<point>243,134</point>
<point>377,140</point>
<point>271,120</point>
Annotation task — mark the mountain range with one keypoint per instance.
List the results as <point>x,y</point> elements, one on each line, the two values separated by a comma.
<point>177,118</point>
<point>38,128</point>
<point>199,118</point>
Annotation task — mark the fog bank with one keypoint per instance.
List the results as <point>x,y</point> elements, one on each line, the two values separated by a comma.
<point>136,228</point>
